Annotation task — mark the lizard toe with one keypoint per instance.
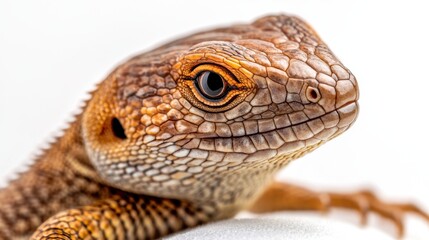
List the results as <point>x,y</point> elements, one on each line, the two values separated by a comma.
<point>365,202</point>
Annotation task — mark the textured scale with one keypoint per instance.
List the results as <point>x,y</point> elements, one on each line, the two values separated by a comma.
<point>150,155</point>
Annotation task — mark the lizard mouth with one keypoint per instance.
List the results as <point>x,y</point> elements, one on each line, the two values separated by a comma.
<point>347,116</point>
<point>342,117</point>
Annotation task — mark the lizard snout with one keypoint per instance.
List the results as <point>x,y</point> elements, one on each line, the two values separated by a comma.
<point>332,93</point>
<point>347,92</point>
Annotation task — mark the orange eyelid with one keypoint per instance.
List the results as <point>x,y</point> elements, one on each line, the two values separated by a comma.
<point>225,74</point>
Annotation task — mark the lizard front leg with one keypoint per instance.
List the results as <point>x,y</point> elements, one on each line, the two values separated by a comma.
<point>282,196</point>
<point>125,216</point>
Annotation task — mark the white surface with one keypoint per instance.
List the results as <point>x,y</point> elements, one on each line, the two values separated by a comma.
<point>52,52</point>
<point>279,227</point>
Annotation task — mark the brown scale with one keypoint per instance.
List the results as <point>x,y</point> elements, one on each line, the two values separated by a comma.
<point>192,132</point>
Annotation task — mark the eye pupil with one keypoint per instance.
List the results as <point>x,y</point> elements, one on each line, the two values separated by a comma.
<point>214,82</point>
<point>211,84</point>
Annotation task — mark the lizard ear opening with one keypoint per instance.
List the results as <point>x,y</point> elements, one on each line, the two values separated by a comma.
<point>118,129</point>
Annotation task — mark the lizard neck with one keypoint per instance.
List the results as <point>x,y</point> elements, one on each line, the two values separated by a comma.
<point>67,155</point>
<point>75,157</point>
<point>62,176</point>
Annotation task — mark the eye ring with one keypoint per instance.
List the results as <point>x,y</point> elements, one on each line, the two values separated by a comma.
<point>211,85</point>
<point>230,89</point>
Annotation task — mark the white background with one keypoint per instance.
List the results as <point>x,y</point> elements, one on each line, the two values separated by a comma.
<point>53,52</point>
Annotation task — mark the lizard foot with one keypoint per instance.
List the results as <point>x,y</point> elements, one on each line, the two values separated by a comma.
<point>366,202</point>
<point>282,196</point>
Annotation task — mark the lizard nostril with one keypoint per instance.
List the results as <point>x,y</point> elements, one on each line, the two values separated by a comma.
<point>313,94</point>
<point>117,129</point>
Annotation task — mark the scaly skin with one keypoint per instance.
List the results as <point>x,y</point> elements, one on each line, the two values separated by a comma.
<point>151,155</point>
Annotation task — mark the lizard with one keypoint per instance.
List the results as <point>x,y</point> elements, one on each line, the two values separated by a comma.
<point>192,132</point>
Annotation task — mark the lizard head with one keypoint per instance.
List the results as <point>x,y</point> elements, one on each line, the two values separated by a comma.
<point>216,114</point>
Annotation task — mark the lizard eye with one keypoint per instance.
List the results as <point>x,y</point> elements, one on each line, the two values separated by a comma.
<point>213,88</point>
<point>211,85</point>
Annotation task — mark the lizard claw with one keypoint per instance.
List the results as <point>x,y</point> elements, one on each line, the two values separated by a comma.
<point>365,202</point>
<point>281,196</point>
